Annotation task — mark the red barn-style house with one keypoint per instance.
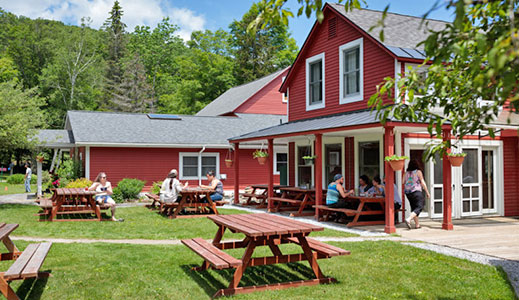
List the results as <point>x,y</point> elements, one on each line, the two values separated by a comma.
<point>328,87</point>
<point>147,146</point>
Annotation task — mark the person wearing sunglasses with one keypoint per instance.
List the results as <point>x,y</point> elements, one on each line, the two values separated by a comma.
<point>103,190</point>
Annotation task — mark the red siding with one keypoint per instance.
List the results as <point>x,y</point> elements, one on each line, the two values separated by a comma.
<point>377,65</point>
<point>511,175</point>
<point>292,163</point>
<point>153,164</point>
<point>268,100</point>
<point>349,163</point>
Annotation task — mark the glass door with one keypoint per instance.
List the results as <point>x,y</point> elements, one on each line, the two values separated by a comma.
<point>436,187</point>
<point>488,193</point>
<point>471,203</point>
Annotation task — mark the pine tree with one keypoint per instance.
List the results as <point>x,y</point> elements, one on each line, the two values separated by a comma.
<point>133,93</point>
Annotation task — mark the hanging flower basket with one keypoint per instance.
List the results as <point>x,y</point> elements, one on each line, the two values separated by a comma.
<point>309,160</point>
<point>228,163</point>
<point>456,159</point>
<point>397,163</point>
<point>262,156</point>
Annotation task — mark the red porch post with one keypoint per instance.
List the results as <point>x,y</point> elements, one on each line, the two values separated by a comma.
<point>318,168</point>
<point>270,162</point>
<point>236,173</point>
<point>447,184</point>
<point>389,149</point>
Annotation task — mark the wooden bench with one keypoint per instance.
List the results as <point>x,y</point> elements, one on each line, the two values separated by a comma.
<point>322,248</point>
<point>356,213</point>
<point>214,256</point>
<point>154,198</point>
<point>26,266</point>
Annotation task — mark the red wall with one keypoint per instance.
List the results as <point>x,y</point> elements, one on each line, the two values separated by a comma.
<point>268,100</point>
<point>511,175</point>
<point>153,164</point>
<point>377,65</point>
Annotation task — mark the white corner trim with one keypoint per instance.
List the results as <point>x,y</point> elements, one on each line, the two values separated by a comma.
<point>87,162</point>
<point>276,151</point>
<point>359,96</point>
<point>307,82</point>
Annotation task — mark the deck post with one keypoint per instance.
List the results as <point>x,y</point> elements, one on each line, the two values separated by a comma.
<point>389,150</point>
<point>270,192</point>
<point>447,184</point>
<point>236,173</point>
<point>318,169</point>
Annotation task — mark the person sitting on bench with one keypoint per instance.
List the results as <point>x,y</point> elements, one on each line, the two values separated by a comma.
<point>335,192</point>
<point>103,190</point>
<point>171,187</point>
<point>215,185</point>
<point>378,189</point>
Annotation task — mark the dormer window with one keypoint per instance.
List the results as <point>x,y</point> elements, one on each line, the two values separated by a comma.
<point>315,82</point>
<point>351,72</point>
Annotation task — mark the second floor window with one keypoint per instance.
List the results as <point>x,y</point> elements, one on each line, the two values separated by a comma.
<point>351,71</point>
<point>315,82</point>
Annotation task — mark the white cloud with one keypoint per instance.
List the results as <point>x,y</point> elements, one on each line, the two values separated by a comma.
<point>135,12</point>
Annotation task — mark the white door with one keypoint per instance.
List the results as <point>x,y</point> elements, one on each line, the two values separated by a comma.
<point>435,183</point>
<point>469,184</point>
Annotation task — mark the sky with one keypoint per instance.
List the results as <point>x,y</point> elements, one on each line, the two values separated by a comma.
<point>189,15</point>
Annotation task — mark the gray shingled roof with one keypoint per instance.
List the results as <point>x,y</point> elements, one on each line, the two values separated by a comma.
<point>400,31</point>
<point>55,138</point>
<point>234,97</point>
<point>128,128</point>
<point>335,121</point>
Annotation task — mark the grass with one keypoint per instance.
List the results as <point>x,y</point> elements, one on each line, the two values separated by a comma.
<point>14,188</point>
<point>139,223</point>
<point>375,270</point>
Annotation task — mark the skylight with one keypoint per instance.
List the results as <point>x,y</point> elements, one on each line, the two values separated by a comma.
<point>164,117</point>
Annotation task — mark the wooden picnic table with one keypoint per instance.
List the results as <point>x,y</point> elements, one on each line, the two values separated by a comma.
<point>192,198</point>
<point>72,201</point>
<point>367,206</point>
<point>261,197</point>
<point>262,230</point>
<point>5,231</point>
<point>295,197</point>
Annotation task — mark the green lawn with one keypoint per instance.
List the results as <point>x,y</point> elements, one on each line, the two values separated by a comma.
<point>375,270</point>
<point>14,188</point>
<point>139,223</point>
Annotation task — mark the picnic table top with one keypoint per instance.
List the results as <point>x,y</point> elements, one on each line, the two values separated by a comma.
<point>6,229</point>
<point>298,189</point>
<point>266,186</point>
<point>366,198</point>
<point>258,225</point>
<point>196,190</point>
<point>73,192</point>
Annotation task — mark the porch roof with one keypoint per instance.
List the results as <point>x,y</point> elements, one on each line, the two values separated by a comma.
<point>55,138</point>
<point>349,119</point>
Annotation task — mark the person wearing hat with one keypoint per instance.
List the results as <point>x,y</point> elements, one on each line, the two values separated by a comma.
<point>171,187</point>
<point>336,191</point>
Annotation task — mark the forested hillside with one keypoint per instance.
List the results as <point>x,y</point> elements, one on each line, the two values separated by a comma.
<point>55,67</point>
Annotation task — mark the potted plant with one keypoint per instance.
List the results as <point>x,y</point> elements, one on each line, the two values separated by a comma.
<point>261,156</point>
<point>309,159</point>
<point>228,163</point>
<point>456,159</point>
<point>396,162</point>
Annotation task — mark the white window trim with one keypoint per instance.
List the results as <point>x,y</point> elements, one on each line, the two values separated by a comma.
<point>360,96</point>
<point>276,172</point>
<point>296,163</point>
<point>200,175</point>
<point>283,98</point>
<point>371,137</point>
<point>307,68</point>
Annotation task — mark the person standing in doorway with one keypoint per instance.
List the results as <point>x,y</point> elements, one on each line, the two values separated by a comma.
<point>27,177</point>
<point>414,186</point>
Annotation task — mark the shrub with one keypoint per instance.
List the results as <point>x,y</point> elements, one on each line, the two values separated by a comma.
<point>46,180</point>
<point>15,179</point>
<point>70,169</point>
<point>117,195</point>
<point>155,188</point>
<point>79,183</point>
<point>130,188</point>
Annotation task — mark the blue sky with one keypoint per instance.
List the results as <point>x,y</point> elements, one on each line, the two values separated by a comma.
<point>189,14</point>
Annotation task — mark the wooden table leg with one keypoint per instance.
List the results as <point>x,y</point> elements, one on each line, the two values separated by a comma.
<point>11,247</point>
<point>312,260</point>
<point>245,261</point>
<point>274,248</point>
<point>95,207</point>
<point>56,208</point>
<point>357,215</point>
<point>179,207</point>
<point>6,290</point>
<point>210,201</point>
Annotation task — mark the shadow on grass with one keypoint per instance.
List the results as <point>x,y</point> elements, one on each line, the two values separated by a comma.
<point>32,289</point>
<point>253,276</point>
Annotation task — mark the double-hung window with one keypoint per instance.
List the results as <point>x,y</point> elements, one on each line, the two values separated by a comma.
<point>351,72</point>
<point>315,82</point>
<point>193,166</point>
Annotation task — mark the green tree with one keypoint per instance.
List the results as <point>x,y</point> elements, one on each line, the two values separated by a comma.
<point>20,114</point>
<point>8,70</point>
<point>262,50</point>
<point>216,42</point>
<point>133,94</point>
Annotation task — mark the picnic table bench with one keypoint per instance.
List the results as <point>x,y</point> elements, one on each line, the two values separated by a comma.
<point>294,197</point>
<point>363,209</point>
<point>66,201</point>
<point>260,197</point>
<point>27,263</point>
<point>262,230</point>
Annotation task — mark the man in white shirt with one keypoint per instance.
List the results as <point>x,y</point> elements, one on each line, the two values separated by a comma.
<point>28,173</point>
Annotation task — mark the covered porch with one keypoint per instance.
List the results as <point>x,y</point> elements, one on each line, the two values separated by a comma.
<point>351,144</point>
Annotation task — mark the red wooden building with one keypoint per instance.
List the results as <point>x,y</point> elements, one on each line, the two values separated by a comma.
<point>328,87</point>
<point>147,146</point>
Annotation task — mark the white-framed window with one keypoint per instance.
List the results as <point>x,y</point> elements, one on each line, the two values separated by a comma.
<point>280,161</point>
<point>315,83</point>
<point>351,71</point>
<point>192,166</point>
<point>284,96</point>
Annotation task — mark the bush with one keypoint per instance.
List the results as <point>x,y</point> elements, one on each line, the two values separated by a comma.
<point>46,180</point>
<point>130,188</point>
<point>19,179</point>
<point>79,183</point>
<point>155,188</point>
<point>70,169</point>
<point>117,195</point>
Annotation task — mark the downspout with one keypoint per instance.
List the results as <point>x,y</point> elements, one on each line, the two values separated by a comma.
<point>200,165</point>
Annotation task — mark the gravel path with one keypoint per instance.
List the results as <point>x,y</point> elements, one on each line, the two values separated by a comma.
<point>511,267</point>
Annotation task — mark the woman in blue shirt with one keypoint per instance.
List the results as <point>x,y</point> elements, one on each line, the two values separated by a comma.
<point>336,191</point>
